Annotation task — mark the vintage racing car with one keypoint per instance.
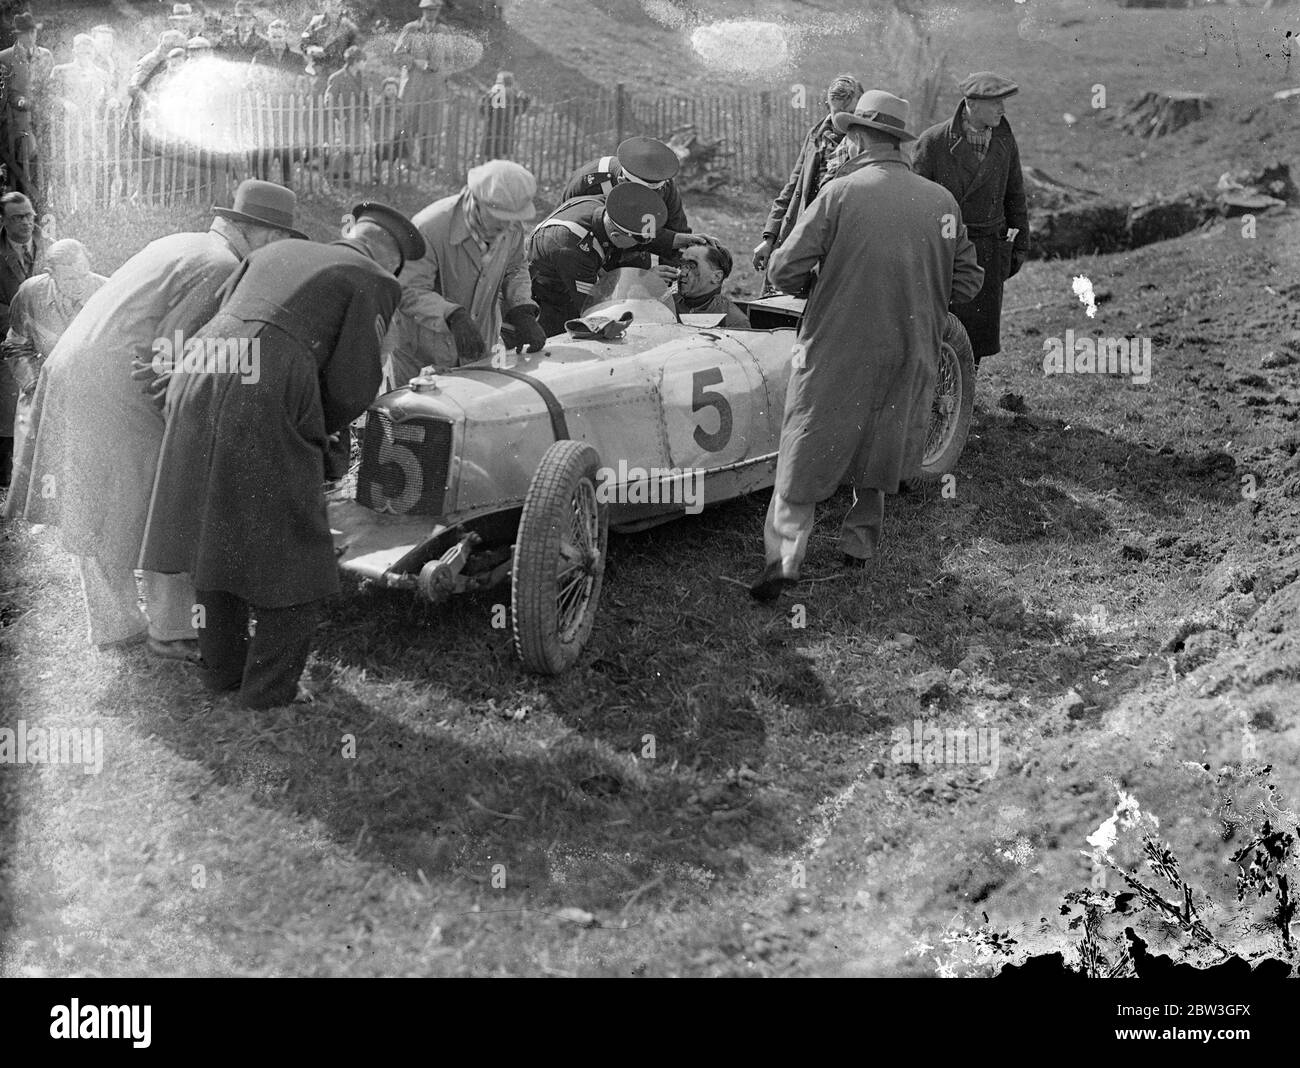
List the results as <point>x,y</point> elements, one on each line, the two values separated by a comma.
<point>515,467</point>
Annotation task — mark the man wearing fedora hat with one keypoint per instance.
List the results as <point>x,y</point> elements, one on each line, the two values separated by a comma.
<point>472,276</point>
<point>889,252</point>
<point>24,69</point>
<point>97,433</point>
<point>975,157</point>
<point>238,501</point>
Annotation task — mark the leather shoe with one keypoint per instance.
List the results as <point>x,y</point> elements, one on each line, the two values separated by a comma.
<point>770,584</point>
<point>856,563</point>
<point>184,649</point>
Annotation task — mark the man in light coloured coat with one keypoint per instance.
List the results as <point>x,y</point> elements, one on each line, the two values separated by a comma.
<point>98,434</point>
<point>472,275</point>
<point>890,252</point>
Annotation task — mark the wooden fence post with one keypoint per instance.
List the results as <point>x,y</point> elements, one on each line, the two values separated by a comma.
<point>620,112</point>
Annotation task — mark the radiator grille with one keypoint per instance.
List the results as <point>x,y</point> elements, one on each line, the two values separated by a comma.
<point>403,465</point>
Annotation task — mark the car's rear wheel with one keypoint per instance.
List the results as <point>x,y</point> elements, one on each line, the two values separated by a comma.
<point>954,400</point>
<point>559,559</point>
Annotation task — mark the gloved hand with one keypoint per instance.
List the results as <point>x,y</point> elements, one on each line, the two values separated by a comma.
<point>763,252</point>
<point>152,384</point>
<point>527,330</point>
<point>1018,256</point>
<point>469,346</point>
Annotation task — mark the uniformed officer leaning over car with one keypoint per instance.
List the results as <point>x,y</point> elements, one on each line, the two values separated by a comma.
<point>582,238</point>
<point>648,163</point>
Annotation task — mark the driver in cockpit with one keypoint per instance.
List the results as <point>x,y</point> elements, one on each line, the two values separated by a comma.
<point>699,284</point>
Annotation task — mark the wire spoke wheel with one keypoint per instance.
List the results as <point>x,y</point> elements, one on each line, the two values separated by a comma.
<point>954,399</point>
<point>559,559</point>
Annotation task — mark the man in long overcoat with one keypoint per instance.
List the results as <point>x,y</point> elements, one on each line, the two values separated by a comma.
<point>98,435</point>
<point>473,270</point>
<point>974,156</point>
<point>238,500</point>
<point>890,253</point>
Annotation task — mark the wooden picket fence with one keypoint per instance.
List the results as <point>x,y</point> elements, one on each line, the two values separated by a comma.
<point>98,158</point>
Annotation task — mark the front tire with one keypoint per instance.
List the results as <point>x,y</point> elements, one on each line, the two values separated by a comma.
<point>559,559</point>
<point>954,400</point>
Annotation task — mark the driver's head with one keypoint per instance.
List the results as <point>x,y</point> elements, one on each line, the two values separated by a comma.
<point>703,269</point>
<point>633,215</point>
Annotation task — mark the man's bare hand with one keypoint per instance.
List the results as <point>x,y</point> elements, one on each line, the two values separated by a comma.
<point>667,274</point>
<point>762,253</point>
<point>687,240</point>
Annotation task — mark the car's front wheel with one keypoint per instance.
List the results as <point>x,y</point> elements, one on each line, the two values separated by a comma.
<point>559,558</point>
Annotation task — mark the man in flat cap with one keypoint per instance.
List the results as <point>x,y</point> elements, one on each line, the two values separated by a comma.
<point>584,237</point>
<point>238,501</point>
<point>862,378</point>
<point>975,157</point>
<point>650,164</point>
<point>97,435</point>
<point>472,276</point>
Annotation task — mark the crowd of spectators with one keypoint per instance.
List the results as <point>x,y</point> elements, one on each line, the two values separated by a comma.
<point>327,66</point>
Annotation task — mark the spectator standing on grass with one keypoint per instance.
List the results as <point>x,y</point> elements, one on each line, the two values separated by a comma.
<point>21,246</point>
<point>863,371</point>
<point>501,107</point>
<point>276,72</point>
<point>81,88</point>
<point>810,171</point>
<point>97,434</point>
<point>473,270</point>
<point>40,312</point>
<point>238,500</point>
<point>24,69</point>
<point>388,122</point>
<point>347,104</point>
<point>975,157</point>
<point>651,164</point>
<point>333,33</point>
<point>424,59</point>
<point>104,41</point>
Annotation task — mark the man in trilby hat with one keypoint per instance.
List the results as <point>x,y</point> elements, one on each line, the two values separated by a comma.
<point>975,157</point>
<point>890,252</point>
<point>97,435</point>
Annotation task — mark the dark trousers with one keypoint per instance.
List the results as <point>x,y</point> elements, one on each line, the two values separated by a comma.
<point>6,459</point>
<point>264,667</point>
